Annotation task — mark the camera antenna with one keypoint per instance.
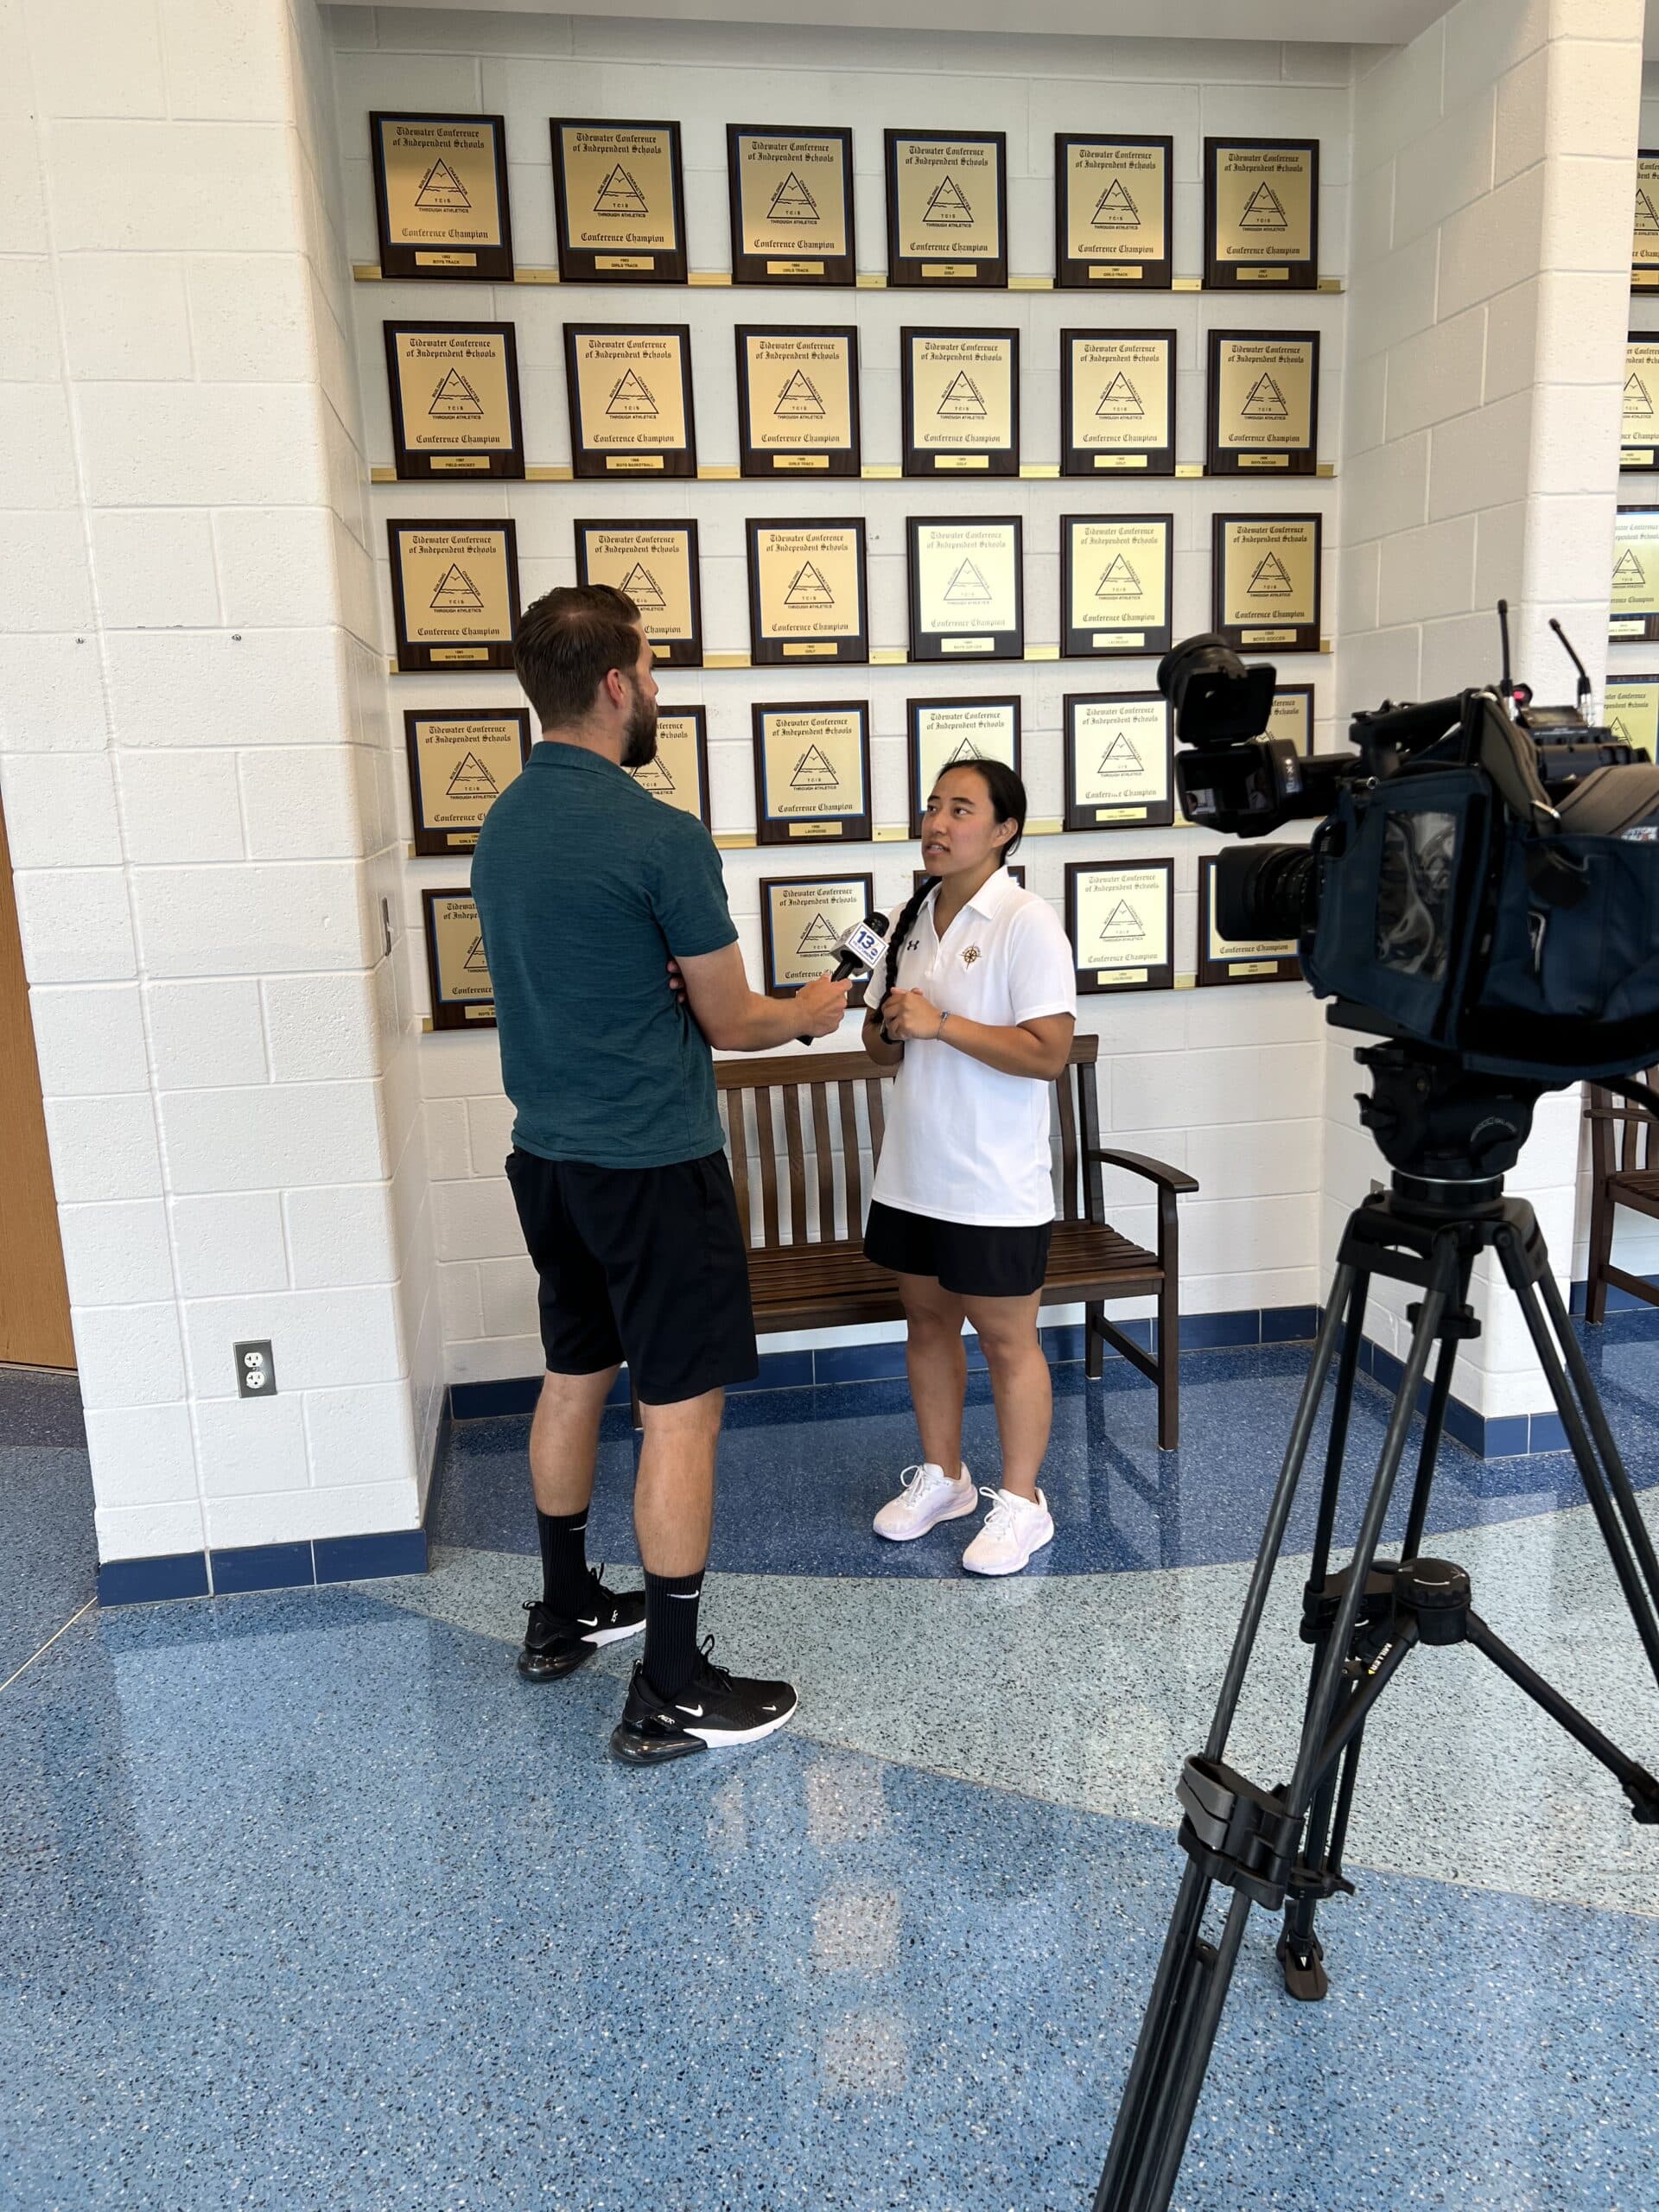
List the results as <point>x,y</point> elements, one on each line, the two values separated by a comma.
<point>1506,684</point>
<point>1584,679</point>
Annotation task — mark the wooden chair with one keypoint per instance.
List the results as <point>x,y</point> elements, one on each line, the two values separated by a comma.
<point>1623,1174</point>
<point>799,1144</point>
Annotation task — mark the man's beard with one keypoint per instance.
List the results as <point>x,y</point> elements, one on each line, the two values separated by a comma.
<point>640,739</point>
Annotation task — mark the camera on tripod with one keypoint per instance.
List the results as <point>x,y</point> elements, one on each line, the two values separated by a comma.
<point>1484,879</point>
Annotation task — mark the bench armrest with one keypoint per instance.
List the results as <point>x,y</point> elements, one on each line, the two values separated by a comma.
<point>1167,1179</point>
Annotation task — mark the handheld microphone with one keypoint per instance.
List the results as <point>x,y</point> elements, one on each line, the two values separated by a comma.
<point>862,946</point>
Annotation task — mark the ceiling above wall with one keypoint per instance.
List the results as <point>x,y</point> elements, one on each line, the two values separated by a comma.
<point>1361,23</point>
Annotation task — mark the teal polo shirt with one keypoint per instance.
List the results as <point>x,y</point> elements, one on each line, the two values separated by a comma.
<point>585,885</point>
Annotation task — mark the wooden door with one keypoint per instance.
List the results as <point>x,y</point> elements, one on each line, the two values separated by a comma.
<point>34,1297</point>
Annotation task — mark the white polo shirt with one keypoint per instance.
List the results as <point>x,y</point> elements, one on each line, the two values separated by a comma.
<point>963,1142</point>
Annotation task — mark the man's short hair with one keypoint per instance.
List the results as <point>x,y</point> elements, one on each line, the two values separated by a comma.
<point>567,643</point>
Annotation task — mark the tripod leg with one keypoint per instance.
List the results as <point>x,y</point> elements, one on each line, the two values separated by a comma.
<point>1638,1785</point>
<point>1435,1421</point>
<point>1623,1531</point>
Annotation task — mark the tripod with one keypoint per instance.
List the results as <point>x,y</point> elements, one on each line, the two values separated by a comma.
<point>1282,1848</point>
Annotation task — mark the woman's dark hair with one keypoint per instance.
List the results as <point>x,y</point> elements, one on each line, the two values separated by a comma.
<point>1007,796</point>
<point>566,645</point>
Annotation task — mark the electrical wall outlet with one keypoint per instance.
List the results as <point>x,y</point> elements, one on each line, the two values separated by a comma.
<point>256,1370</point>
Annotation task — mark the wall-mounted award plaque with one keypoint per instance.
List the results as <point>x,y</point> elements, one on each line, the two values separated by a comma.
<point>1639,423</point>
<point>679,774</point>
<point>455,593</point>
<point>629,389</point>
<point>1291,717</point>
<point>619,202</point>
<point>1645,249</point>
<point>1115,577</point>
<point>1630,704</point>
<point>460,760</point>
<point>1266,581</point>
<point>813,773</point>
<point>1120,916</point>
<point>945,733</point>
<point>1263,413</point>
<point>960,402</point>
<point>1634,611</point>
<point>792,206</point>
<point>947,208</point>
<point>802,919</point>
<point>1117,760</point>
<point>797,401</point>
<point>967,588</point>
<point>1113,199</point>
<point>1261,213</point>
<point>1225,960</point>
<point>1117,402</point>
<point>656,564</point>
<point>441,196</point>
<point>807,596</point>
<point>454,399</point>
<point>463,997</point>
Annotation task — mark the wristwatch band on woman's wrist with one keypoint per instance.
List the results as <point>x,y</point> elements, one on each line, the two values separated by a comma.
<point>939,1031</point>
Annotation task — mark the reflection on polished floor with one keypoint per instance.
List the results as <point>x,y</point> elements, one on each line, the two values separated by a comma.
<point>313,1903</point>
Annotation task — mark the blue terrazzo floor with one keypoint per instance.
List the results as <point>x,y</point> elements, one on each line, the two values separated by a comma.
<point>312,1903</point>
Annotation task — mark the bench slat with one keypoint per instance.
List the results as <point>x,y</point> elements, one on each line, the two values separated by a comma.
<point>796,1151</point>
<point>737,1139</point>
<point>1068,1147</point>
<point>823,1152</point>
<point>766,1137</point>
<point>851,1164</point>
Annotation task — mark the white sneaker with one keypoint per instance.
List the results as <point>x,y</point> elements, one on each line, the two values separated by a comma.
<point>1013,1529</point>
<point>928,1497</point>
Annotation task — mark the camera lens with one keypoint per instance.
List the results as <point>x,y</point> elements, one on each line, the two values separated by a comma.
<point>1267,892</point>
<point>1217,699</point>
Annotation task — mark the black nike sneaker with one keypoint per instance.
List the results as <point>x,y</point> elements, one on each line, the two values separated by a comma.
<point>554,1647</point>
<point>713,1709</point>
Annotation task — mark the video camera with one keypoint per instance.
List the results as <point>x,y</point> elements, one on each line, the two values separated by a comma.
<point>1484,884</point>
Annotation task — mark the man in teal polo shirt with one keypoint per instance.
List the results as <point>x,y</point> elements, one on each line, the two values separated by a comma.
<point>587,889</point>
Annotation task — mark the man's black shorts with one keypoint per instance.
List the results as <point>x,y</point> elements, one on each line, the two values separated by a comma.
<point>645,1264</point>
<point>968,1260</point>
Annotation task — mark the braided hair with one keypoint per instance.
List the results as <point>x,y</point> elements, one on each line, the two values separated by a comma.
<point>1007,796</point>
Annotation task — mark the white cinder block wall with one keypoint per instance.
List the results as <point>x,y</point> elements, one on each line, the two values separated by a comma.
<point>197,782</point>
<point>1224,1083</point>
<point>1493,180</point>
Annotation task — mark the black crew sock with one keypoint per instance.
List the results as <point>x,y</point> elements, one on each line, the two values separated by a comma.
<point>671,1654</point>
<point>565,1579</point>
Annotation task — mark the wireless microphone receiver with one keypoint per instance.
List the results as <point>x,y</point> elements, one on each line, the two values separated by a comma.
<point>862,946</point>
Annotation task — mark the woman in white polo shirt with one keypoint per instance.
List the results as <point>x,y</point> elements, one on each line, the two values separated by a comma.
<point>974,1007</point>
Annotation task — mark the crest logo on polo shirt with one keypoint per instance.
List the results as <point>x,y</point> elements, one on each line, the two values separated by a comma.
<point>970,956</point>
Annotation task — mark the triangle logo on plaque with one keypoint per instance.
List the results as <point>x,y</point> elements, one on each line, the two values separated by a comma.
<point>1628,570</point>
<point>1269,579</point>
<point>808,588</point>
<point>1266,403</point>
<point>1647,221</point>
<point>813,772</point>
<point>631,396</point>
<point>1638,401</point>
<point>967,587</point>
<point>475,963</point>
<point>793,202</point>
<point>454,400</point>
<point>456,592</point>
<point>947,208</point>
<point>471,779</point>
<point>1114,210</point>
<point>1122,926</point>
<point>818,937</point>
<point>798,400</point>
<point>643,588</point>
<point>621,195</point>
<point>1120,757</point>
<point>1119,580</point>
<point>442,192</point>
<point>965,751</point>
<point>1263,211</point>
<point>962,397</point>
<point>653,776</point>
<point>1120,398</point>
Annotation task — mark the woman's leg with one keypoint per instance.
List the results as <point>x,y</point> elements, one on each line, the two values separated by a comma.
<point>1007,1328</point>
<point>937,1366</point>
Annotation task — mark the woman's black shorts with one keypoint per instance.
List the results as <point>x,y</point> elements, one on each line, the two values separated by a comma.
<point>964,1258</point>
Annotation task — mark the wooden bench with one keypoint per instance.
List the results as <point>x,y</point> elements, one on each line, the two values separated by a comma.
<point>798,1147</point>
<point>1624,1173</point>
